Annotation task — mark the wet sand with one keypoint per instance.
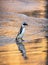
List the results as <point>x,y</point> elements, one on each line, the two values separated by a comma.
<point>36,52</point>
<point>10,22</point>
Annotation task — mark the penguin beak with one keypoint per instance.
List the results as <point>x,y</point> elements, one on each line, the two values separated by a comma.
<point>26,24</point>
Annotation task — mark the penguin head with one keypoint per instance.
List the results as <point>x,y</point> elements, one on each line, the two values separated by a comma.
<point>25,24</point>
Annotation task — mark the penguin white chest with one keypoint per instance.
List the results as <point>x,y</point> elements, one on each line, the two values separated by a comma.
<point>22,33</point>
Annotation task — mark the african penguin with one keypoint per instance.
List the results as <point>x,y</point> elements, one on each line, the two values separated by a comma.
<point>19,40</point>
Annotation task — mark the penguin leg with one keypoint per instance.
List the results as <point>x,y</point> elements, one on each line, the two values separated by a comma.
<point>22,39</point>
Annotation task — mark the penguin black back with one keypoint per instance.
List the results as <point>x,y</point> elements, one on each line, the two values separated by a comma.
<point>20,30</point>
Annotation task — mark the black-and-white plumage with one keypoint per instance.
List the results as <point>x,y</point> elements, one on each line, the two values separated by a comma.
<point>22,30</point>
<point>19,40</point>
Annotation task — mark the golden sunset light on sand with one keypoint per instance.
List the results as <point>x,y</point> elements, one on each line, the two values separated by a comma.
<point>12,14</point>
